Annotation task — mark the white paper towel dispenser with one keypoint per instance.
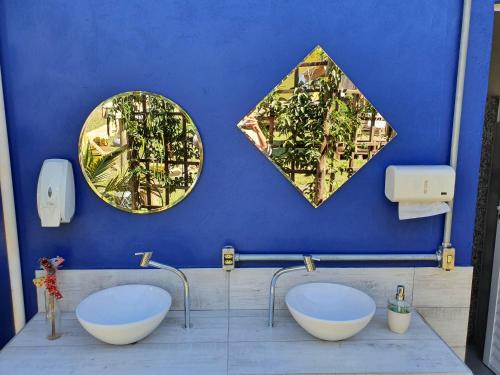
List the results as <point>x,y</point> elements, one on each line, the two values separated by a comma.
<point>419,183</point>
<point>56,193</point>
<point>420,190</point>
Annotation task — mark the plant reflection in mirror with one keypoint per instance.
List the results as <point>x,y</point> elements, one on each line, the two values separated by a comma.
<point>140,152</point>
<point>316,127</point>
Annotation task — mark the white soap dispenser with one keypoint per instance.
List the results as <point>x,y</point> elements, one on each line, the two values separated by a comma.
<point>56,193</point>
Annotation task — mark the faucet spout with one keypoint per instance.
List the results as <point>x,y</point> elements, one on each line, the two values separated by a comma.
<point>147,262</point>
<point>146,257</point>
<point>309,263</point>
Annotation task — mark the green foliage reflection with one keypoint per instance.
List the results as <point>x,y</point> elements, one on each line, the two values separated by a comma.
<point>140,152</point>
<point>317,127</point>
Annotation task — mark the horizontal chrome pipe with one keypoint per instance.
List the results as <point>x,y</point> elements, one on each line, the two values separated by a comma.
<point>436,257</point>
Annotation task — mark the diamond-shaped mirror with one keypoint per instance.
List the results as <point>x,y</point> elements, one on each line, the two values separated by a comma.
<point>316,127</point>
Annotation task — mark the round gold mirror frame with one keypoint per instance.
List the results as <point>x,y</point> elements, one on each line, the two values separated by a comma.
<point>128,142</point>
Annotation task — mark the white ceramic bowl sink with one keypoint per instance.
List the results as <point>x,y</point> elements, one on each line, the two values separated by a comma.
<point>330,311</point>
<point>124,314</point>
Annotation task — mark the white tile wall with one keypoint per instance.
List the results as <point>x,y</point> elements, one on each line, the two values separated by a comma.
<point>249,287</point>
<point>443,299</point>
<point>208,285</point>
<point>434,287</point>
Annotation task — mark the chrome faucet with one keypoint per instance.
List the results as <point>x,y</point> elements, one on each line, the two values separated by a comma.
<point>147,262</point>
<point>309,266</point>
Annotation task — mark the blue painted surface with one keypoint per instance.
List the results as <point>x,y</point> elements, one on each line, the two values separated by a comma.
<point>6,322</point>
<point>217,59</point>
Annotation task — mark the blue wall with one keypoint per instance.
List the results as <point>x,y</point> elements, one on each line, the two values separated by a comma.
<point>217,59</point>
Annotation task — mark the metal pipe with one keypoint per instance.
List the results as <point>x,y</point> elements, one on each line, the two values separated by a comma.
<point>457,113</point>
<point>145,262</point>
<point>182,276</point>
<point>339,257</point>
<point>309,266</point>
<point>10,223</point>
<point>272,289</point>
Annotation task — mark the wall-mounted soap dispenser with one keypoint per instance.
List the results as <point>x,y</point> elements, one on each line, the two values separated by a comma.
<point>56,192</point>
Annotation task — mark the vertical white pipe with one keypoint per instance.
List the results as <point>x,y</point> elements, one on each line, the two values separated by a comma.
<point>9,219</point>
<point>457,114</point>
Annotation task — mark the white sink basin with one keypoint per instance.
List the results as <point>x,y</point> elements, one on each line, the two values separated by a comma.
<point>124,314</point>
<point>330,311</point>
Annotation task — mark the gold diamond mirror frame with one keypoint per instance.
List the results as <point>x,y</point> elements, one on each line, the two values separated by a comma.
<point>316,127</point>
<point>140,152</point>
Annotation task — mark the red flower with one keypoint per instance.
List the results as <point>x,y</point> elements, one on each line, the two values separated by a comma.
<point>51,285</point>
<point>50,267</point>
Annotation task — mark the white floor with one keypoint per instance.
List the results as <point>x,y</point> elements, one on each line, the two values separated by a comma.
<point>231,342</point>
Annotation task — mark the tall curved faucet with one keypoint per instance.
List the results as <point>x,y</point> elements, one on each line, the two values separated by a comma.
<point>147,262</point>
<point>309,266</point>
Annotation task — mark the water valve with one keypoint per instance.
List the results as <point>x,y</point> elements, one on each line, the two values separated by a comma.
<point>228,258</point>
<point>448,258</point>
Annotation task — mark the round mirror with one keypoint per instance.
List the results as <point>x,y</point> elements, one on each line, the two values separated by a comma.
<point>140,152</point>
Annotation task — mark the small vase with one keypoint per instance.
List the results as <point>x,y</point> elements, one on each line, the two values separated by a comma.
<point>53,317</point>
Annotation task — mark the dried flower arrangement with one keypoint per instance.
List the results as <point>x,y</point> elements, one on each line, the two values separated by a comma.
<point>52,293</point>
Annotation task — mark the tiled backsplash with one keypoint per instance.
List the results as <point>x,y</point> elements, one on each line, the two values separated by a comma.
<point>442,298</point>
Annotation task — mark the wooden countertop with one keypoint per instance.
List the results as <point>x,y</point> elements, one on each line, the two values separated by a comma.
<point>230,342</point>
